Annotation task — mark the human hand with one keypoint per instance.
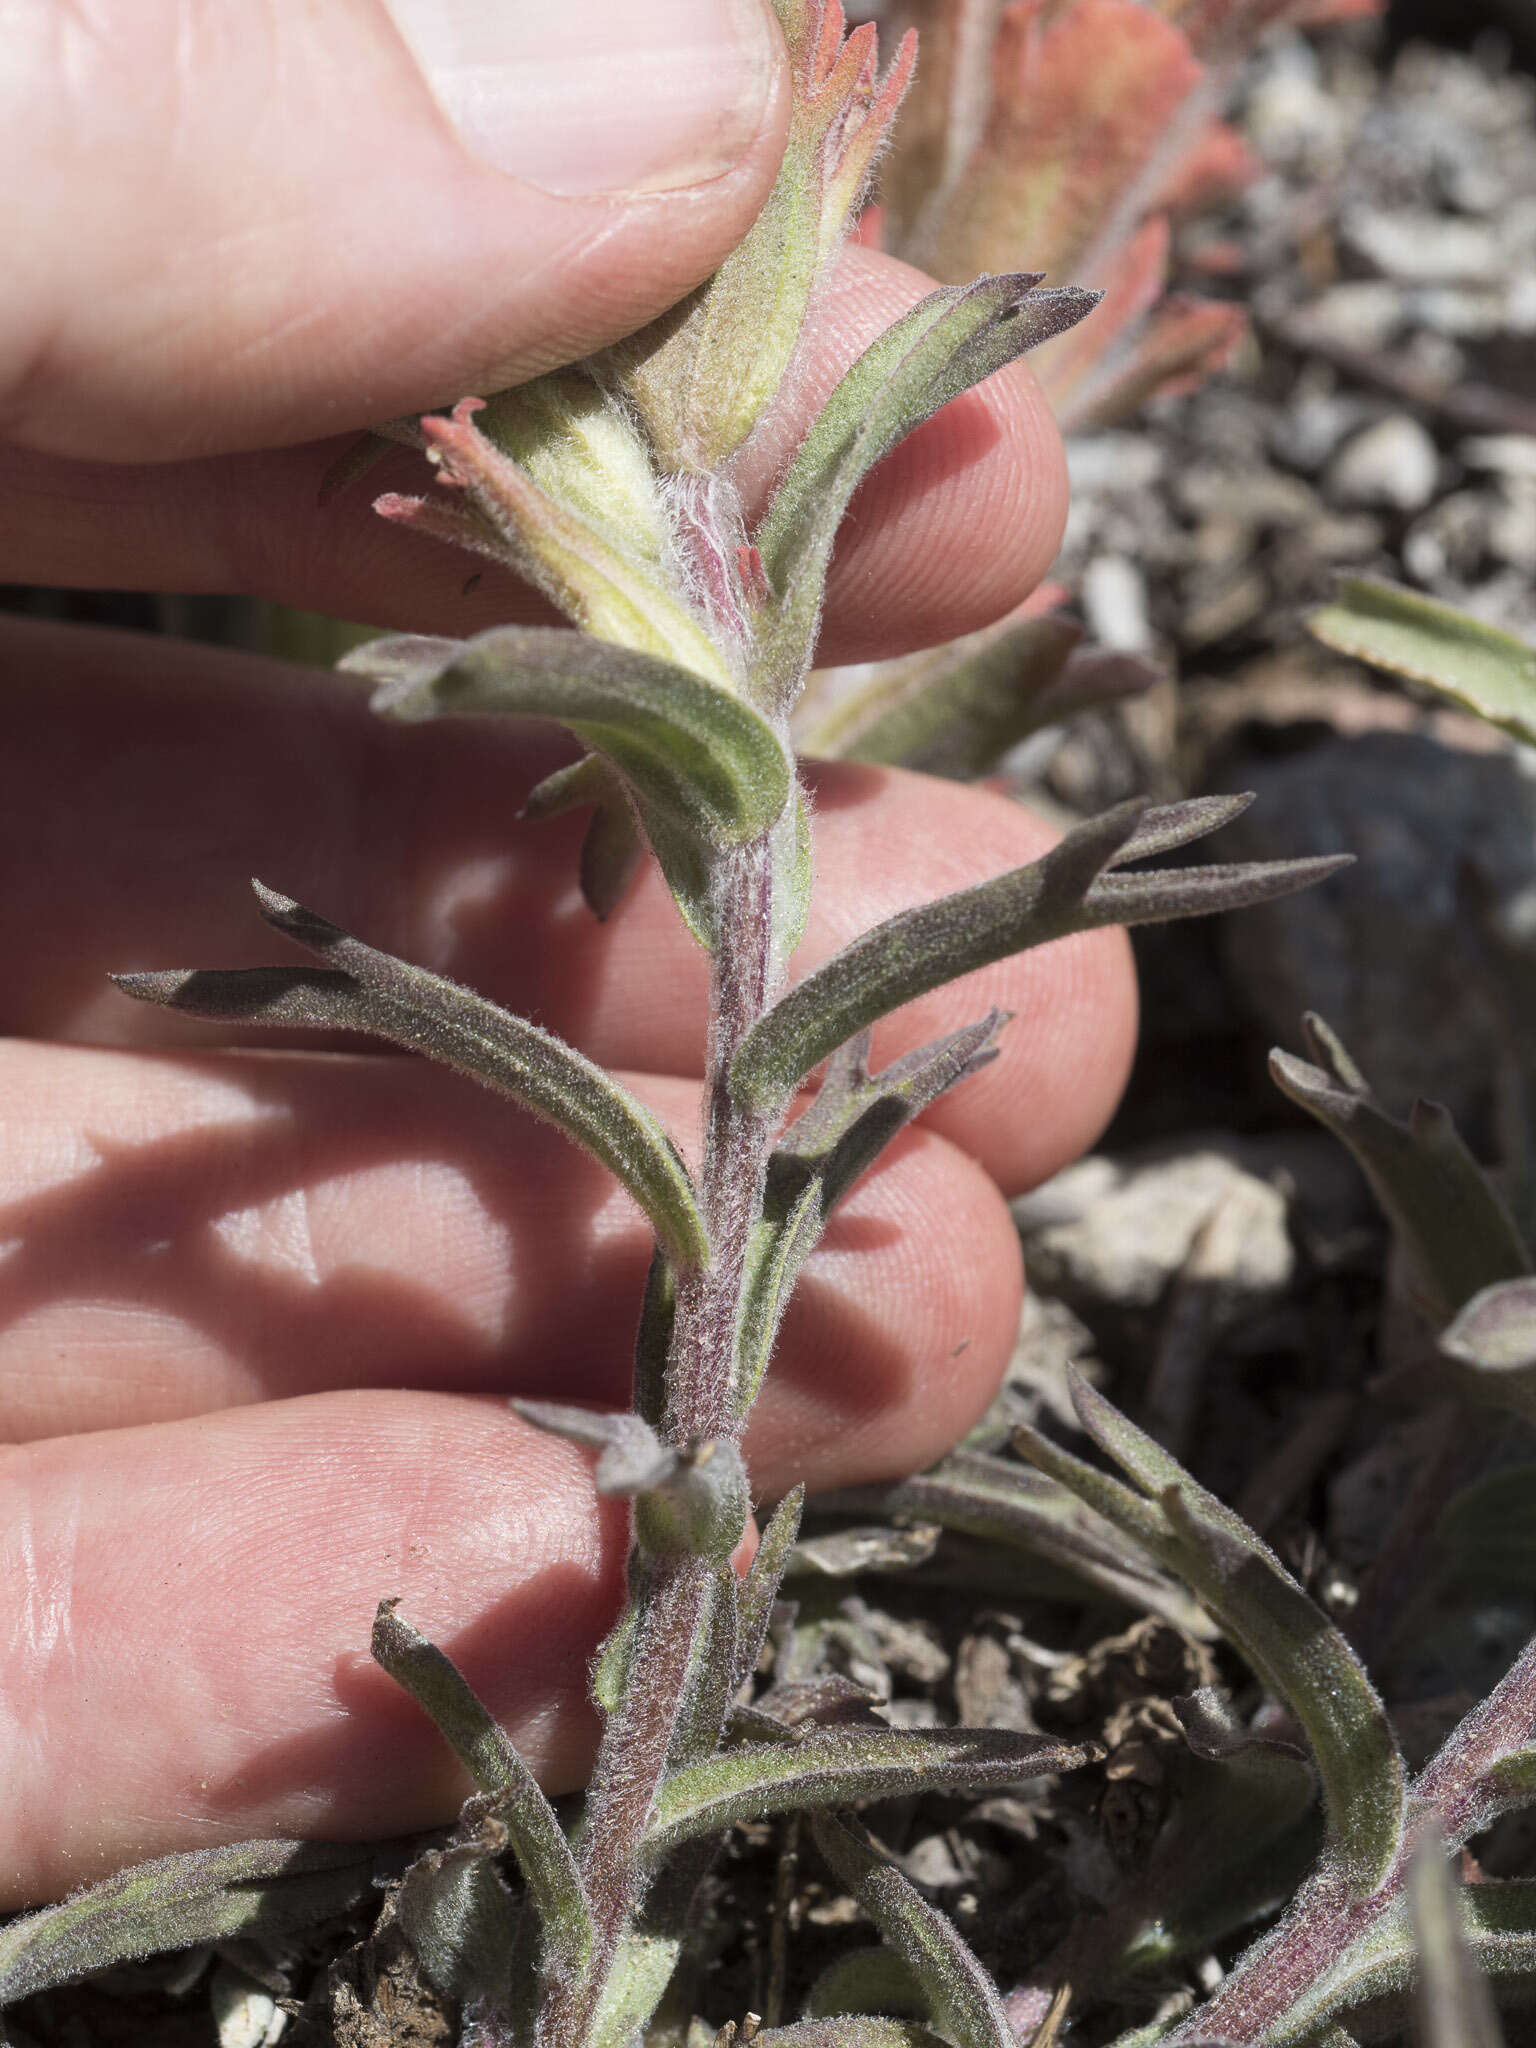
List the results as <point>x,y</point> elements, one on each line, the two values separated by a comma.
<point>259,1311</point>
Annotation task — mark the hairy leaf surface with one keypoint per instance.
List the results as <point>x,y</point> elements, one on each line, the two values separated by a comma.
<point>854,1117</point>
<point>1288,1639</point>
<point>374,992</point>
<point>838,1768</point>
<point>951,340</point>
<point>249,1890</point>
<point>961,1996</point>
<point>703,769</point>
<point>1455,1228</point>
<point>1408,634</point>
<point>487,1752</point>
<point>1069,889</point>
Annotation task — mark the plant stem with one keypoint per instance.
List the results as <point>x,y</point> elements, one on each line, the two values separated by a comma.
<point>672,1594</point>
<point>702,1366</point>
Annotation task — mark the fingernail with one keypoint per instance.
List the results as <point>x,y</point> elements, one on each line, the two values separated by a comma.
<point>597,96</point>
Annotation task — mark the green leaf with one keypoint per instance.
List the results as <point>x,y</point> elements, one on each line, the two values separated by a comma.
<point>792,860</point>
<point>849,2030</point>
<point>951,711</point>
<point>1284,1635</point>
<point>865,1980</point>
<point>458,1914</point>
<point>949,341</point>
<point>957,710</point>
<point>760,1587</point>
<point>1490,672</point>
<point>961,1996</point>
<point>489,1755</point>
<point>1454,1227</point>
<point>614,843</point>
<point>376,993</point>
<point>703,769</point>
<point>248,1891</point>
<point>1242,1833</point>
<point>997,1501</point>
<point>711,1683</point>
<point>1455,2010</point>
<point>634,1985</point>
<point>839,1768</point>
<point>855,1116</point>
<point>1069,889</point>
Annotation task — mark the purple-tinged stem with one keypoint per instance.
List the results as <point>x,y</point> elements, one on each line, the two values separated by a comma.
<point>1458,1789</point>
<point>674,1606</point>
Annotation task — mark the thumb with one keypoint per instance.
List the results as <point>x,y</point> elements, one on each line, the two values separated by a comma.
<point>267,220</point>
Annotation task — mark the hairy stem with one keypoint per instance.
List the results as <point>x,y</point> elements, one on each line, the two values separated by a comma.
<point>735,1157</point>
<point>1266,1997</point>
<point>672,1594</point>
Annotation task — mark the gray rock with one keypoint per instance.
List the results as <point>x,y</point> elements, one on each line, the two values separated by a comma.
<point>1507,455</point>
<point>1117,1235</point>
<point>1367,312</point>
<point>1394,463</point>
<point>1380,949</point>
<point>1425,248</point>
<point>1512,528</point>
<point>1115,600</point>
<point>1450,539</point>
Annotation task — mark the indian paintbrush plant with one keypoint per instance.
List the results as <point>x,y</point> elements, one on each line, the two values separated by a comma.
<point>612,487</point>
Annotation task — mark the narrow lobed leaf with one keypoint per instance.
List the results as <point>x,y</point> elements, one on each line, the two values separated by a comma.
<point>961,1997</point>
<point>840,1768</point>
<point>701,767</point>
<point>1287,1638</point>
<point>818,1158</point>
<point>957,717</point>
<point>1162,828</point>
<point>951,340</point>
<point>251,1890</point>
<point>1458,1235</point>
<point>679,739</point>
<point>997,1501</point>
<point>1067,890</point>
<point>1411,635</point>
<point>373,992</point>
<point>1161,895</point>
<point>922,949</point>
<point>486,1751</point>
